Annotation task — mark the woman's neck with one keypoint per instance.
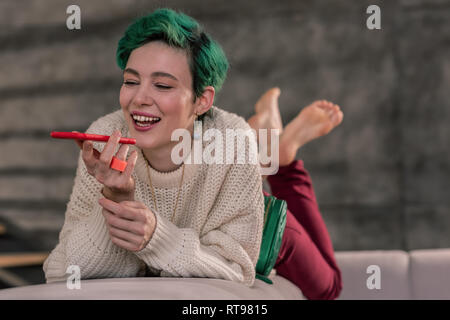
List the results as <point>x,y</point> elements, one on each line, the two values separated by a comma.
<point>161,160</point>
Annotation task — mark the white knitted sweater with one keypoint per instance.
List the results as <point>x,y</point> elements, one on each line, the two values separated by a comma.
<point>216,232</point>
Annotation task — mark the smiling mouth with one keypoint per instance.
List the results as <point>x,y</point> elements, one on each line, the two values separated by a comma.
<point>142,121</point>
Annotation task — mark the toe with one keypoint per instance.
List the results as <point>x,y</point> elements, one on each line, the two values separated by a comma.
<point>272,92</point>
<point>331,112</point>
<point>321,104</point>
<point>338,110</point>
<point>328,104</point>
<point>341,116</point>
<point>276,90</point>
<point>337,118</point>
<point>275,93</point>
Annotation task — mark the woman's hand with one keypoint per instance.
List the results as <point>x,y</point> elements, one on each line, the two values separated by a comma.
<point>131,224</point>
<point>118,186</point>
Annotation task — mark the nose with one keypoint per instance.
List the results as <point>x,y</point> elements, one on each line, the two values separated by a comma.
<point>143,97</point>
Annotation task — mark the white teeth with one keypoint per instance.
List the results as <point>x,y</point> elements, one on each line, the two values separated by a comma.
<point>141,124</point>
<point>143,118</point>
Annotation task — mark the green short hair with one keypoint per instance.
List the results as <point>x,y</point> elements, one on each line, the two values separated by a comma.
<point>207,61</point>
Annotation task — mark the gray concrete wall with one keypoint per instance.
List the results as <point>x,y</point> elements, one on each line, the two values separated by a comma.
<point>381,178</point>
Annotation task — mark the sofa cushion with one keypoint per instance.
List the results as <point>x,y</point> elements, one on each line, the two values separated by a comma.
<point>430,273</point>
<point>393,266</point>
<point>156,288</point>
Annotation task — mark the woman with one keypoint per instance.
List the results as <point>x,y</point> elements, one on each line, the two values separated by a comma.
<point>158,217</point>
<point>161,218</point>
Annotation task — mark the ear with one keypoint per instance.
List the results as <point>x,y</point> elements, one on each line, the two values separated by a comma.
<point>205,101</point>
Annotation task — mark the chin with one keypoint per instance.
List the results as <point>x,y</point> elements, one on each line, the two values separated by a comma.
<point>145,141</point>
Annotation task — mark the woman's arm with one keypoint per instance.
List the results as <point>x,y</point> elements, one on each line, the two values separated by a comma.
<point>84,240</point>
<point>228,245</point>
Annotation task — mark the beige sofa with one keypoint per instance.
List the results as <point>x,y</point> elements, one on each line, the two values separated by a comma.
<point>419,274</point>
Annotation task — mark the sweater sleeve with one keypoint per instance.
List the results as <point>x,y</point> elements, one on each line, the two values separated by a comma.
<point>84,240</point>
<point>228,245</point>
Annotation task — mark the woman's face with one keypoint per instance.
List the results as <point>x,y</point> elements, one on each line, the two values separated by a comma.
<point>157,84</point>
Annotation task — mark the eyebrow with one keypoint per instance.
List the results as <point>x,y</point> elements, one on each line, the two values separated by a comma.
<point>154,74</point>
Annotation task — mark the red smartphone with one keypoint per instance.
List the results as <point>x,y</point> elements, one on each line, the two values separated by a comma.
<point>88,136</point>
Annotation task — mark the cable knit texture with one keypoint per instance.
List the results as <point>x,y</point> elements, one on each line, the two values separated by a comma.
<point>216,231</point>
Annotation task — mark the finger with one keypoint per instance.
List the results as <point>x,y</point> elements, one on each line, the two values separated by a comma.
<point>134,204</point>
<point>123,244</point>
<point>129,211</point>
<point>130,165</point>
<point>109,149</point>
<point>123,224</point>
<point>91,154</point>
<point>137,211</point>
<point>122,153</point>
<point>110,205</point>
<point>125,235</point>
<point>87,154</point>
<point>79,143</point>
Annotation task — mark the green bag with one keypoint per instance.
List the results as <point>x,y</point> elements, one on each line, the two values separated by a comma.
<point>274,223</point>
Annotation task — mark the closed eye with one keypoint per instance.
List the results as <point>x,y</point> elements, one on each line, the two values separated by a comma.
<point>130,83</point>
<point>160,86</point>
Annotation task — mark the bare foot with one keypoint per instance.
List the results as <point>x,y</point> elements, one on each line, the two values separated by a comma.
<point>267,115</point>
<point>314,121</point>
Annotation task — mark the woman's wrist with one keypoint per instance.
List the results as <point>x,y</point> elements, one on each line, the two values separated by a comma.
<point>117,196</point>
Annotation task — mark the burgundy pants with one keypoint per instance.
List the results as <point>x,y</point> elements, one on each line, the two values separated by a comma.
<point>306,255</point>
